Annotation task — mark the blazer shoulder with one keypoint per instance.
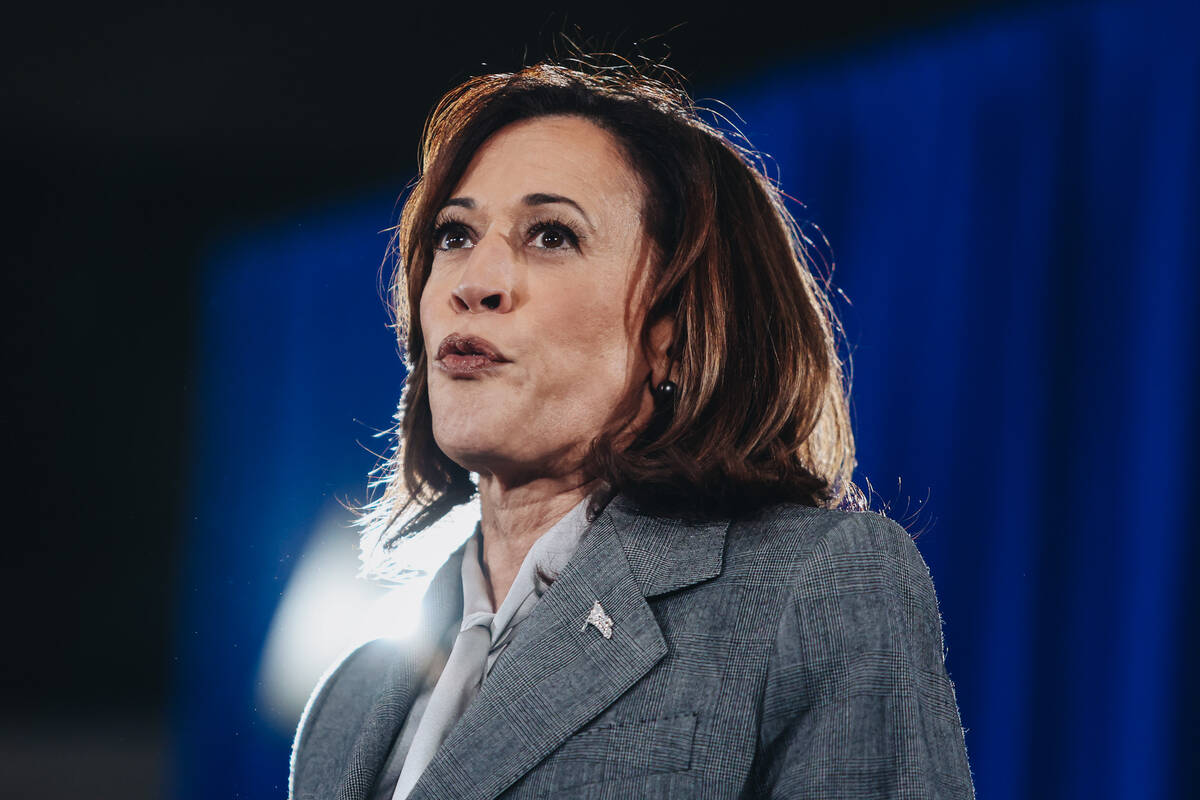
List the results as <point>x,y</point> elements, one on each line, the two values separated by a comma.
<point>859,565</point>
<point>353,675</point>
<point>858,663</point>
<point>792,540</point>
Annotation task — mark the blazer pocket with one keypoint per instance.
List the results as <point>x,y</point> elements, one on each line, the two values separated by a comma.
<point>623,750</point>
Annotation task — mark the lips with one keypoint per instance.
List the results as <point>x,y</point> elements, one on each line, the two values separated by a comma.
<point>466,355</point>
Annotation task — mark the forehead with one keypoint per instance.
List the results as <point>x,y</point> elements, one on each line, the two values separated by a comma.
<point>561,154</point>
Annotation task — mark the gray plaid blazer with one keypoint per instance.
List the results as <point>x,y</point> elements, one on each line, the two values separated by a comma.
<point>794,654</point>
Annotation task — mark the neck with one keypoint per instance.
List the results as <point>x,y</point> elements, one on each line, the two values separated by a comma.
<point>513,518</point>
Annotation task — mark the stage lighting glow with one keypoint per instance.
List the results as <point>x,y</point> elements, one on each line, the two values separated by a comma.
<point>327,610</point>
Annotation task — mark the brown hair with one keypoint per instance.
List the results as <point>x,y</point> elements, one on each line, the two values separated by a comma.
<point>761,413</point>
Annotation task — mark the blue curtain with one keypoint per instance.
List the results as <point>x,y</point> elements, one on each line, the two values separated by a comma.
<point>1012,208</point>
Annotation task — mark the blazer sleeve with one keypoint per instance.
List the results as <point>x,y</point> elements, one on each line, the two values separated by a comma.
<point>857,700</point>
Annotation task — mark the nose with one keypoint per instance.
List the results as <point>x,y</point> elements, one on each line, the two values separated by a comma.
<point>487,283</point>
<point>478,298</point>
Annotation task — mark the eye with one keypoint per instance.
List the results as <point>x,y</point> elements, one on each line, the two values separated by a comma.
<point>552,235</point>
<point>452,236</point>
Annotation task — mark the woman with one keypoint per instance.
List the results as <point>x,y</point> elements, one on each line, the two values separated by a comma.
<point>671,591</point>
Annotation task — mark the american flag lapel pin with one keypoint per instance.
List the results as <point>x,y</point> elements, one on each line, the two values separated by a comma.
<point>598,619</point>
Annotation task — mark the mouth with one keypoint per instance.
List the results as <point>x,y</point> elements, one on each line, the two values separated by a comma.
<point>467,355</point>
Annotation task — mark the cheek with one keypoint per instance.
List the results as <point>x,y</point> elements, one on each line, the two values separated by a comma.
<point>591,346</point>
<point>427,311</point>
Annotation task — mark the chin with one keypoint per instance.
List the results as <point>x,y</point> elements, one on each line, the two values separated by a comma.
<point>474,439</point>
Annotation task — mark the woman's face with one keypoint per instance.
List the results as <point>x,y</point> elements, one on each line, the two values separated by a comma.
<point>525,311</point>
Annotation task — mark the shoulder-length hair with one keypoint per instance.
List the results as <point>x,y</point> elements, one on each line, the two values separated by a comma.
<point>761,413</point>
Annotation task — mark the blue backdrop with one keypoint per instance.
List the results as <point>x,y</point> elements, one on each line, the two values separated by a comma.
<point>1012,206</point>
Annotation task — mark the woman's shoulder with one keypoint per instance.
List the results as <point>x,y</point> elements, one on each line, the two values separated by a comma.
<point>857,634</point>
<point>857,570</point>
<point>798,544</point>
<point>336,710</point>
<point>806,521</point>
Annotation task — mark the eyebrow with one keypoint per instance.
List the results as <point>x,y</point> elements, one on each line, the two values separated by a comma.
<point>543,199</point>
<point>535,199</point>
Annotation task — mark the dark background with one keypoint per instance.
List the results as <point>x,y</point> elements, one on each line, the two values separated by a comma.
<point>135,140</point>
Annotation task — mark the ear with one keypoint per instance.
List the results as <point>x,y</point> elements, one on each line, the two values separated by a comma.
<point>662,333</point>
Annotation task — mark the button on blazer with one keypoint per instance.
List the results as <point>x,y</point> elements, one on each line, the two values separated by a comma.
<point>796,653</point>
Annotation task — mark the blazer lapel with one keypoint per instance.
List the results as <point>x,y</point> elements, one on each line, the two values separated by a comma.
<point>559,673</point>
<point>441,609</point>
<point>666,555</point>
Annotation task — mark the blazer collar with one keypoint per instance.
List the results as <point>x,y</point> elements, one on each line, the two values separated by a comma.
<point>559,673</point>
<point>665,555</point>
